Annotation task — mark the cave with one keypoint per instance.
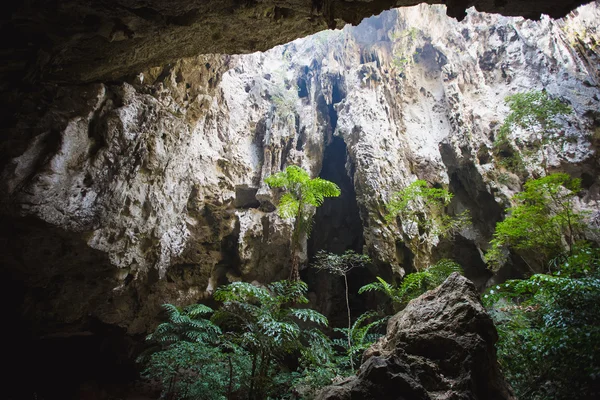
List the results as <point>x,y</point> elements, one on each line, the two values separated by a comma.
<point>135,144</point>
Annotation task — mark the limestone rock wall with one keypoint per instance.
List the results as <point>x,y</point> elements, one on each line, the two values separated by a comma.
<point>150,190</point>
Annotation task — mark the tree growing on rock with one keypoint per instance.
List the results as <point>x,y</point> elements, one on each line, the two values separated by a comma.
<point>422,210</point>
<point>300,194</point>
<point>543,216</point>
<point>536,113</point>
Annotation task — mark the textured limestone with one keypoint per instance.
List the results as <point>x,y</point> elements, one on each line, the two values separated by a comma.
<point>441,346</point>
<point>157,180</point>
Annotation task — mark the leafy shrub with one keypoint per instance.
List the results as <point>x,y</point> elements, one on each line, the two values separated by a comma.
<point>424,209</point>
<point>194,360</point>
<point>536,113</point>
<point>542,216</point>
<point>549,342</point>
<point>241,351</point>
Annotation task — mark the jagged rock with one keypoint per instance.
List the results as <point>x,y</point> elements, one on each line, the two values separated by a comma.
<point>441,346</point>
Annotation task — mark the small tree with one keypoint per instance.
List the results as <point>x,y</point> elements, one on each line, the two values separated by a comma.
<point>341,265</point>
<point>301,193</point>
<point>424,208</point>
<point>542,216</point>
<point>536,113</point>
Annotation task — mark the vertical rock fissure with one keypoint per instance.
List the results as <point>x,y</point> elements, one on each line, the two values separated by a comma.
<point>337,227</point>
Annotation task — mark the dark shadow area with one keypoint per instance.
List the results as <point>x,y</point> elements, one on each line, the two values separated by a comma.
<point>337,228</point>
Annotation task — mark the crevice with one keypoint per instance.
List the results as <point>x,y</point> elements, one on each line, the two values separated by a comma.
<point>337,228</point>
<point>230,263</point>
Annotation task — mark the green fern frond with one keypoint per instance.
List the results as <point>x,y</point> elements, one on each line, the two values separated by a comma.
<point>306,314</point>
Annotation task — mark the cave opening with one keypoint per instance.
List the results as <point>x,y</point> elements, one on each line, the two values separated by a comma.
<point>337,228</point>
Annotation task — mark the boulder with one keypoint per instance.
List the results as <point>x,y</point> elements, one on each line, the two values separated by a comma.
<point>440,347</point>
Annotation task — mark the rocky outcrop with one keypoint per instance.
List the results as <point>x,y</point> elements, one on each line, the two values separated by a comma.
<point>441,346</point>
<point>82,41</point>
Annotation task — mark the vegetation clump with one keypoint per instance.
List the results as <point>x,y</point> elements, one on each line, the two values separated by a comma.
<point>542,218</point>
<point>241,350</point>
<point>422,210</point>
<point>549,336</point>
<point>300,194</point>
<point>536,113</point>
<point>414,284</point>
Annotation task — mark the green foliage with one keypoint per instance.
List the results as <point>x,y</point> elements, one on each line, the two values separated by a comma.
<point>241,351</point>
<point>191,370</point>
<point>542,216</point>
<point>537,114</point>
<point>403,43</point>
<point>359,337</point>
<point>268,326</point>
<point>301,192</point>
<point>194,360</point>
<point>188,324</point>
<point>424,208</point>
<point>534,110</point>
<point>268,321</point>
<point>341,265</point>
<point>548,328</point>
<point>414,284</point>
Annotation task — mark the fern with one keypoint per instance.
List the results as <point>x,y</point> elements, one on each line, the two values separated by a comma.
<point>362,334</point>
<point>548,328</point>
<point>414,284</point>
<point>301,193</point>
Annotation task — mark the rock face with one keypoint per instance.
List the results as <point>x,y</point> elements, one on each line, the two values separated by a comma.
<point>441,346</point>
<point>83,41</point>
<point>119,196</point>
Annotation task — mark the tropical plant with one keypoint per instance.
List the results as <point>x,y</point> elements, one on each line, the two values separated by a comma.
<point>199,371</point>
<point>243,349</point>
<point>542,216</point>
<point>192,359</point>
<point>188,324</point>
<point>359,337</point>
<point>300,193</point>
<point>549,336</point>
<point>268,327</point>
<point>424,209</point>
<point>537,114</point>
<point>341,265</point>
<point>414,284</point>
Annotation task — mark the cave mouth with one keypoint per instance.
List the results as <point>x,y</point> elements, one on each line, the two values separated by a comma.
<point>337,228</point>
